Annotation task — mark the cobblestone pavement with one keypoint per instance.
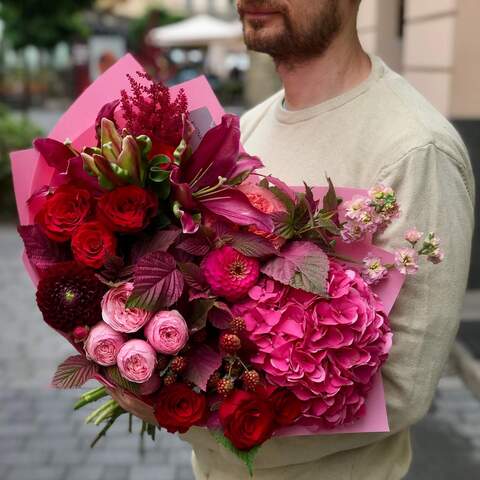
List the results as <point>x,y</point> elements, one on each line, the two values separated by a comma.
<point>42,439</point>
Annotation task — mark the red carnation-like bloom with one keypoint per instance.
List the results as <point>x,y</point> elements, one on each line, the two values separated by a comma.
<point>229,273</point>
<point>64,211</point>
<point>178,407</point>
<point>247,419</point>
<point>69,295</point>
<point>93,243</point>
<point>127,209</point>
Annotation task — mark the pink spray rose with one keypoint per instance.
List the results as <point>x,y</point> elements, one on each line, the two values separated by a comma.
<point>120,318</point>
<point>229,273</point>
<point>103,344</point>
<point>326,351</point>
<point>136,361</point>
<point>167,332</point>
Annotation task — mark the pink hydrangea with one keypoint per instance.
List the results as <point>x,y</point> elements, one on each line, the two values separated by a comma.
<point>229,273</point>
<point>326,352</point>
<point>119,317</point>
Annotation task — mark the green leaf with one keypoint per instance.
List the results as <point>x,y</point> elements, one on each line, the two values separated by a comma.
<point>246,456</point>
<point>200,309</point>
<point>284,198</point>
<point>330,200</point>
<point>252,245</point>
<point>74,372</point>
<point>113,373</point>
<point>301,265</point>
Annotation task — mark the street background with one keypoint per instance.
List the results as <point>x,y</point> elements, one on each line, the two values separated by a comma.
<point>49,53</point>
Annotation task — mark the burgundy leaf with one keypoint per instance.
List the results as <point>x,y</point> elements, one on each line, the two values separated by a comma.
<point>160,241</point>
<point>157,282</point>
<point>196,245</point>
<point>301,265</point>
<point>74,372</point>
<point>55,153</point>
<point>252,245</point>
<point>41,251</point>
<point>234,206</point>
<point>220,316</point>
<point>216,155</point>
<point>193,276</point>
<point>202,362</point>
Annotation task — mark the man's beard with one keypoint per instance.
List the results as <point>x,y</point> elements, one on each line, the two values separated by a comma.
<point>296,43</point>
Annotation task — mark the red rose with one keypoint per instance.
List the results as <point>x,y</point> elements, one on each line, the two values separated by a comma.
<point>247,419</point>
<point>63,212</point>
<point>178,407</point>
<point>92,243</point>
<point>286,405</point>
<point>127,209</point>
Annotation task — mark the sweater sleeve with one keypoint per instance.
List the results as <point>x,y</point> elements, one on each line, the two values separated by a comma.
<point>435,193</point>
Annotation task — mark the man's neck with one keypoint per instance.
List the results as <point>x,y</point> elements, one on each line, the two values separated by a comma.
<point>342,67</point>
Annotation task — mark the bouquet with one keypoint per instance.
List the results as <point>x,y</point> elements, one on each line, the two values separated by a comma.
<point>197,290</point>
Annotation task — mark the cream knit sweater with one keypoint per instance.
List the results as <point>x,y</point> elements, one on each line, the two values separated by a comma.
<point>381,131</point>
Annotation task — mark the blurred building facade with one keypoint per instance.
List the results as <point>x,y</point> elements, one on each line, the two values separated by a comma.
<point>135,8</point>
<point>435,45</point>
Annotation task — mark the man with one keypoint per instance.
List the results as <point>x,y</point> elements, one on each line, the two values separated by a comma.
<point>348,115</point>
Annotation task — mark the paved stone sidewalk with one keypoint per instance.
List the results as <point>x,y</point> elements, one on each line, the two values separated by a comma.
<point>42,439</point>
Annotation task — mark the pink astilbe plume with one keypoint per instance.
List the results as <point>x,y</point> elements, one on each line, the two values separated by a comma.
<point>149,110</point>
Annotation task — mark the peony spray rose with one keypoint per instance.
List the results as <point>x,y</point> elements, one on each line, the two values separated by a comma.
<point>136,361</point>
<point>120,318</point>
<point>103,344</point>
<point>167,332</point>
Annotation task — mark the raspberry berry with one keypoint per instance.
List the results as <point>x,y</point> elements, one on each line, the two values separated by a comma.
<point>237,325</point>
<point>213,380</point>
<point>251,379</point>
<point>178,364</point>
<point>230,343</point>
<point>169,379</point>
<point>224,386</point>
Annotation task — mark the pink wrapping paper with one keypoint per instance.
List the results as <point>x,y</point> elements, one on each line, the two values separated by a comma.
<point>30,172</point>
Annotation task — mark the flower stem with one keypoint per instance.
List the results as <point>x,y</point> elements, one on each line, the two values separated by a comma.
<point>90,397</point>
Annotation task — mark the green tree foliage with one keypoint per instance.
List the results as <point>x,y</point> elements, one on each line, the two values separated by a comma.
<point>15,133</point>
<point>155,17</point>
<point>43,23</point>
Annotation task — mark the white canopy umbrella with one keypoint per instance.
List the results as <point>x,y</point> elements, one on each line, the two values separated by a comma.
<point>196,31</point>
